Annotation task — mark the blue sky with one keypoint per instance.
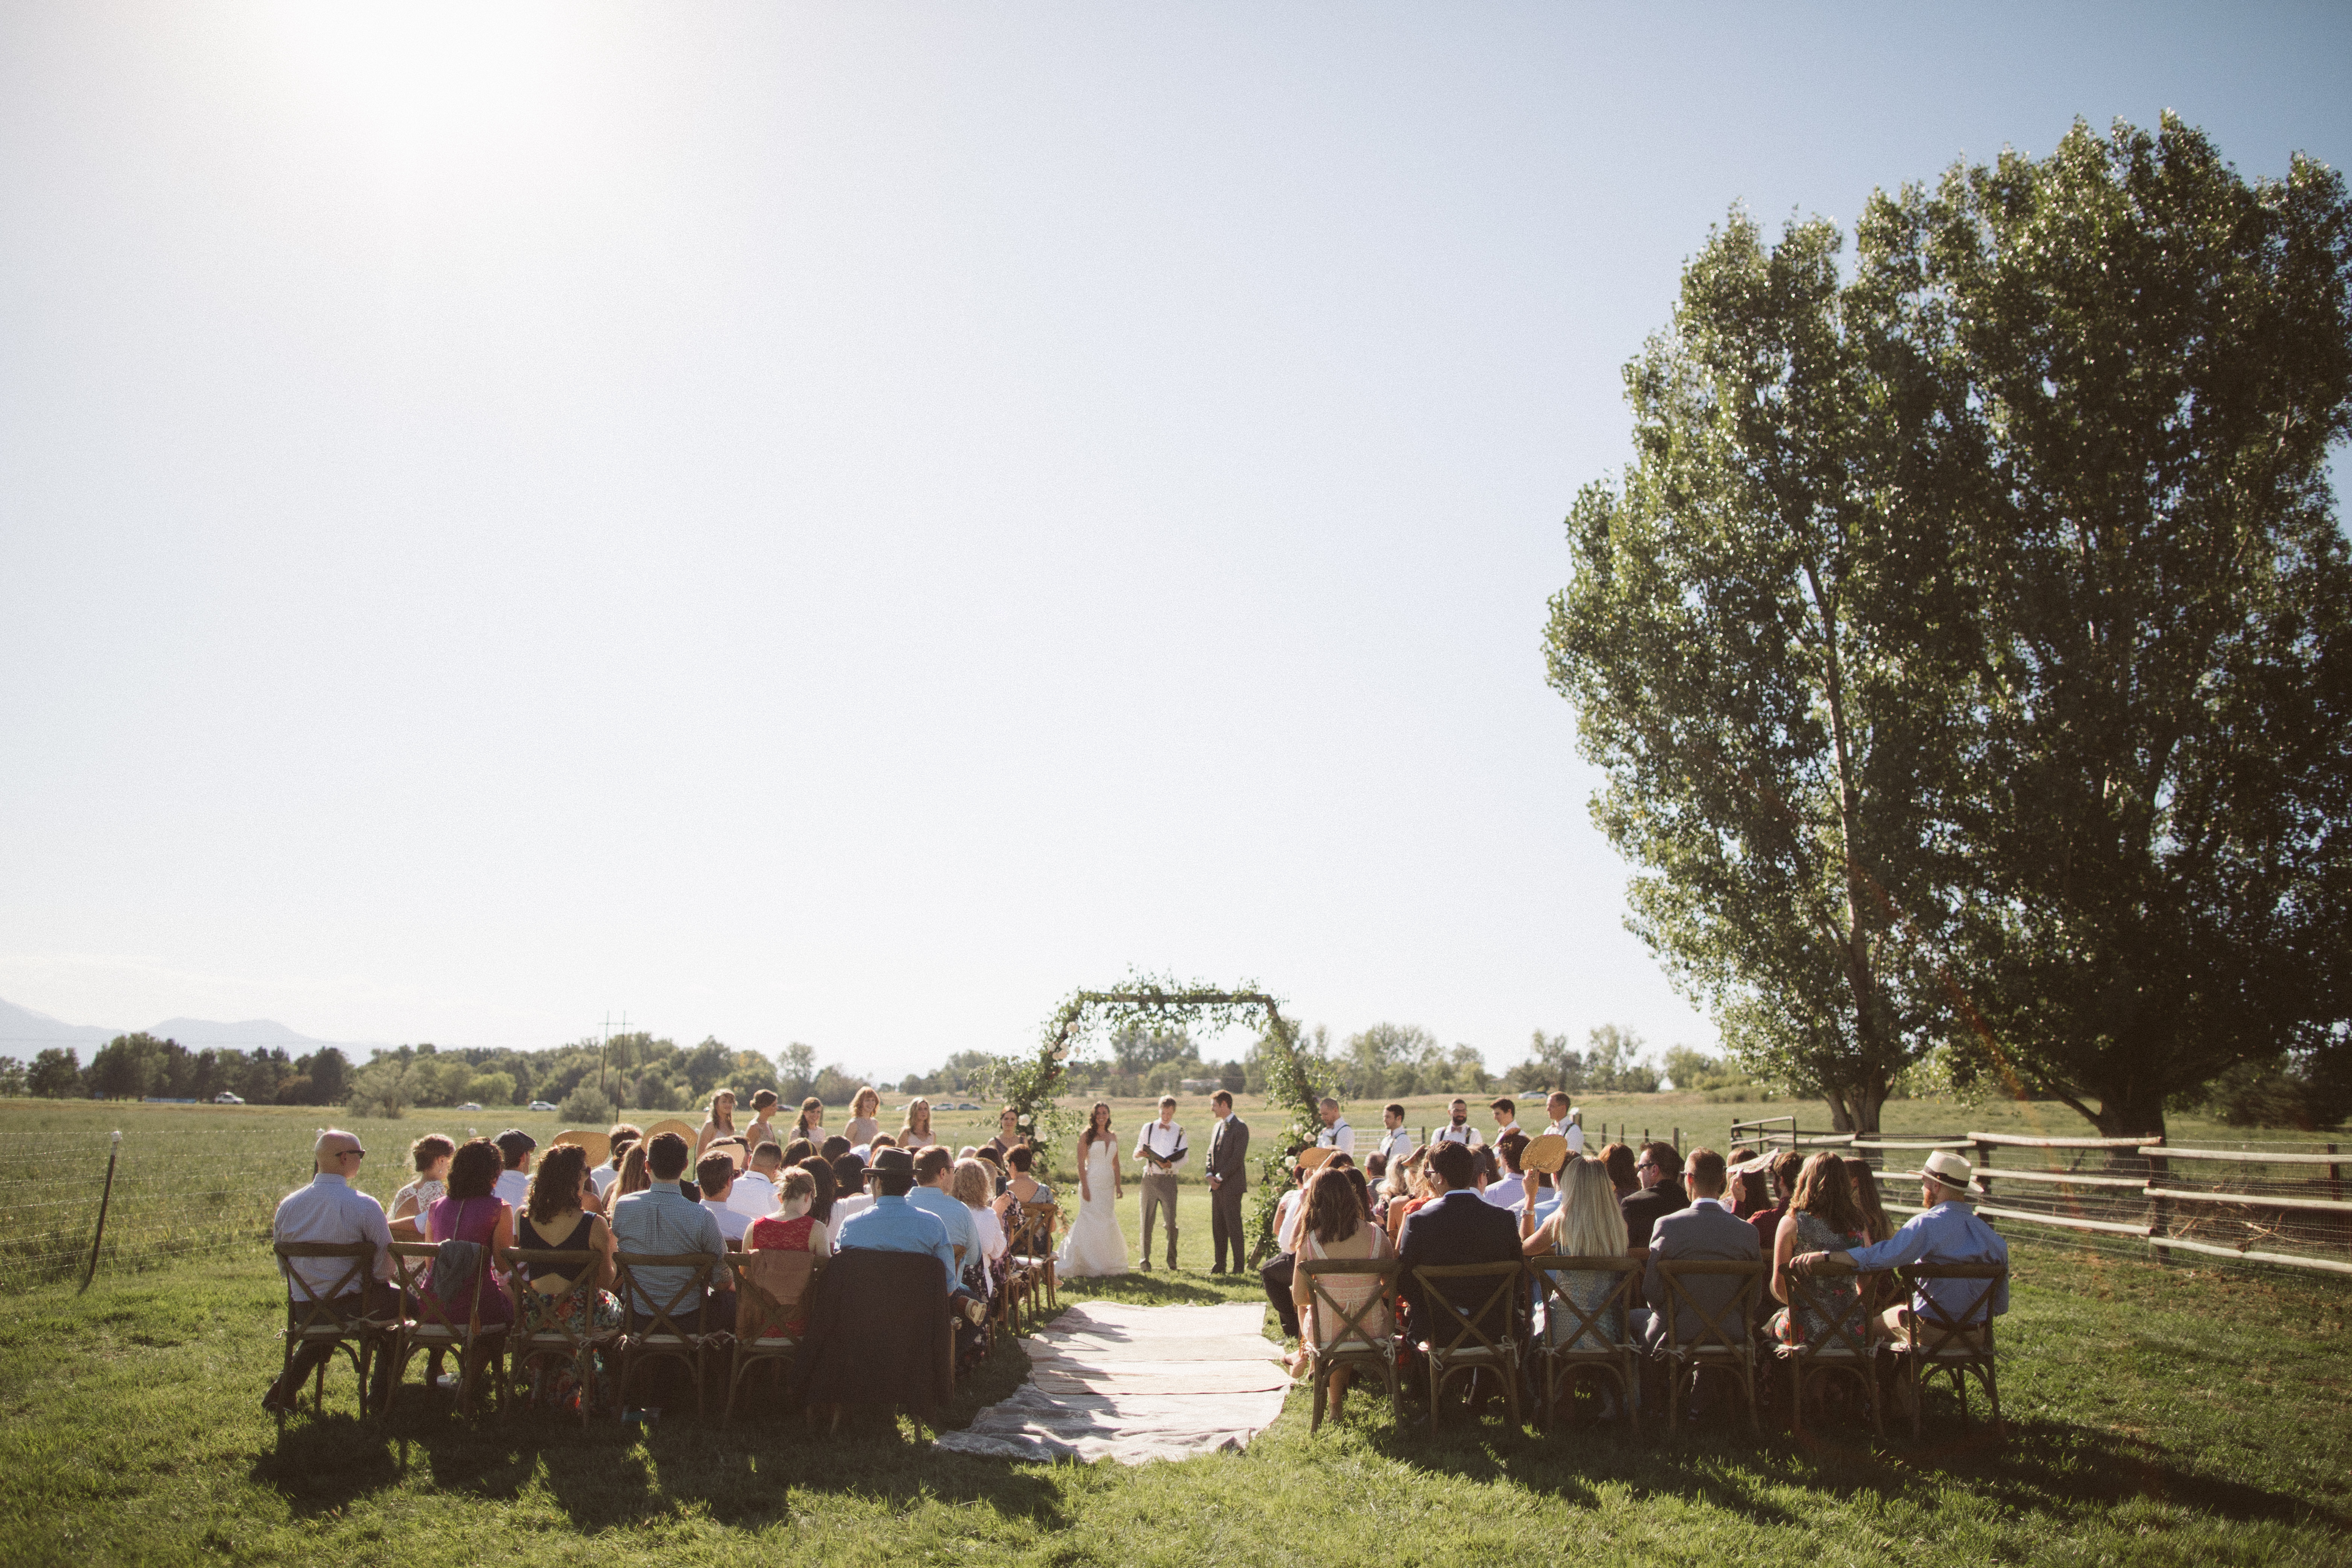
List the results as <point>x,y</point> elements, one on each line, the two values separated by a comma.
<point>844,523</point>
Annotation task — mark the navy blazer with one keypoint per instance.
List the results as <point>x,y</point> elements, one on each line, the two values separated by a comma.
<point>1460,1228</point>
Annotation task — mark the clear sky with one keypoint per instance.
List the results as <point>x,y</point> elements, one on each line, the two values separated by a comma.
<point>847,522</point>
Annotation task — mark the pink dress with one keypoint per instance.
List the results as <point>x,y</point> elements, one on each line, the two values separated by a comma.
<point>476,1220</point>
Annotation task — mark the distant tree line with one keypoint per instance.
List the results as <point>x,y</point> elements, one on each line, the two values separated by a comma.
<point>132,1067</point>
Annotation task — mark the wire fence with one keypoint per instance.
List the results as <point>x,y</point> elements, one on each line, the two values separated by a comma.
<point>176,1194</point>
<point>2243,1203</point>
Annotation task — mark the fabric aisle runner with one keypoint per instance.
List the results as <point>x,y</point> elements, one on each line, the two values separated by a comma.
<point>1136,1383</point>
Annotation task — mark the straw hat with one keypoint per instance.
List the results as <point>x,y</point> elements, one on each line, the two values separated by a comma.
<point>1548,1153</point>
<point>599,1145</point>
<point>732,1148</point>
<point>672,1125</point>
<point>1313,1159</point>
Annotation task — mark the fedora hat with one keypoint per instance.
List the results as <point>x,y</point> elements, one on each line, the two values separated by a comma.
<point>1948,1168</point>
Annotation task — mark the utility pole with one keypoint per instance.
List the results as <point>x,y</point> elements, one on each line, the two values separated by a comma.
<point>604,1051</point>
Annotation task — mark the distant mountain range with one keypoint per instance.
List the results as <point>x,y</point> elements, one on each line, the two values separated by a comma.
<point>24,1031</point>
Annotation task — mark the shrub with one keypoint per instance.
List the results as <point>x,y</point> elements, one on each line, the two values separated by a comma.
<point>583,1106</point>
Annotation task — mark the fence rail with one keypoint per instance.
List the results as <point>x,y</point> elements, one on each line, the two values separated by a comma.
<point>2268,1204</point>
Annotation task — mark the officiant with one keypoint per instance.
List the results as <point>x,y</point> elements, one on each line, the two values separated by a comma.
<point>1161,1148</point>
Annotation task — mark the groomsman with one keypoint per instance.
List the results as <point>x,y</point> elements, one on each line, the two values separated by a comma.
<point>1396,1142</point>
<point>1228,1180</point>
<point>1564,1121</point>
<point>1336,1134</point>
<point>1161,1147</point>
<point>1458,1129</point>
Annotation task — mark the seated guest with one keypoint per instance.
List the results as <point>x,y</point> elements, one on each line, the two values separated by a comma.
<point>635,1176</point>
<point>624,1136</point>
<point>555,1219</point>
<point>850,1193</point>
<point>1751,1190</point>
<point>890,1223</point>
<point>1021,1186</point>
<point>1703,1230</point>
<point>1587,1223</point>
<point>472,1211</point>
<point>662,1221</point>
<point>430,1155</point>
<point>1506,1191</point>
<point>974,1187</point>
<point>330,1212</point>
<point>754,1193</point>
<point>1454,1227</point>
<point>1333,1225</point>
<point>1946,1230</point>
<point>1415,1196</point>
<point>1877,1226</point>
<point>1280,1275</point>
<point>1783,1167</point>
<point>933,1169</point>
<point>821,1175</point>
<point>716,1176</point>
<point>515,1147</point>
<point>833,1148</point>
<point>1821,1216</point>
<point>1658,1171</point>
<point>791,1228</point>
<point>1619,1161</point>
<point>799,1152</point>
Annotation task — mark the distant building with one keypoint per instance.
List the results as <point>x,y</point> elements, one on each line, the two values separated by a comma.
<point>1202,1085</point>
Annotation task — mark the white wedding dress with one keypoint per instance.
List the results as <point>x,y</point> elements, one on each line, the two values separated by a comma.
<point>1096,1244</point>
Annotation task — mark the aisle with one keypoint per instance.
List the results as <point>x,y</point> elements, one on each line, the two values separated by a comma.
<point>1136,1383</point>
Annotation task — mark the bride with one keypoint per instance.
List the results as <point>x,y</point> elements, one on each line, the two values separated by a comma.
<point>1096,1244</point>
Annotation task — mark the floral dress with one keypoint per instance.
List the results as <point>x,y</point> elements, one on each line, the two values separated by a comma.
<point>555,1379</point>
<point>1837,1293</point>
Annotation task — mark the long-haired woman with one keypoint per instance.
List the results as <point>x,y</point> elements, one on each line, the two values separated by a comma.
<point>863,1107</point>
<point>1096,1244</point>
<point>720,1123</point>
<point>1822,1217</point>
<point>555,1219</point>
<point>1333,1225</point>
<point>811,1125</point>
<point>471,1211</point>
<point>635,1177</point>
<point>915,1133</point>
<point>1618,1159</point>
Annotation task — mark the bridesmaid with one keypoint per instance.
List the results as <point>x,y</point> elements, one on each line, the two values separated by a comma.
<point>720,1123</point>
<point>862,1127</point>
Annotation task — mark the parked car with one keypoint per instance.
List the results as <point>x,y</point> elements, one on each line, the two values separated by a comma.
<point>540,1105</point>
<point>469,1105</point>
<point>225,1097</point>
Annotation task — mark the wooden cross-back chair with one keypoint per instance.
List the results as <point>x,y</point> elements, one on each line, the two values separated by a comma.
<point>338,1317</point>
<point>1031,1255</point>
<point>1455,1341</point>
<point>571,1335</point>
<point>1935,1342</point>
<point>1575,1343</point>
<point>664,1338</point>
<point>1845,1346</point>
<point>1362,1338</point>
<point>427,1322</point>
<point>770,1289</point>
<point>1721,1337</point>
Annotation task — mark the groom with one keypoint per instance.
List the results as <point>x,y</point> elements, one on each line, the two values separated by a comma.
<point>1161,1150</point>
<point>1228,1180</point>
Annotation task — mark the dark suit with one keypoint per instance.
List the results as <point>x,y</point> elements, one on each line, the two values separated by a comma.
<point>1228,1162</point>
<point>1702,1233</point>
<point>1459,1227</point>
<point>1645,1209</point>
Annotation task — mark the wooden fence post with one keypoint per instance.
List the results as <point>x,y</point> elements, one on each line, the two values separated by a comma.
<point>115,1148</point>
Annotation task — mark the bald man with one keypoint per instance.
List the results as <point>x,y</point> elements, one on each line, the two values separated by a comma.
<point>332,1211</point>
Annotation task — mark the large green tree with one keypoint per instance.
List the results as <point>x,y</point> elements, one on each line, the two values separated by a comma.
<point>1758,645</point>
<point>2144,360</point>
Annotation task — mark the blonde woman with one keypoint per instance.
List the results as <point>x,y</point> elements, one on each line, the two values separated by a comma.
<point>1096,1244</point>
<point>720,1123</point>
<point>1587,1224</point>
<point>862,1127</point>
<point>915,1134</point>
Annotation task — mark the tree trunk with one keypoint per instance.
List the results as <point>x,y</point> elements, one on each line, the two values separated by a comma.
<point>1854,1108</point>
<point>2132,1111</point>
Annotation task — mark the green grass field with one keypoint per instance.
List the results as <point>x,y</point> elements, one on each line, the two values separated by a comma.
<point>2162,1416</point>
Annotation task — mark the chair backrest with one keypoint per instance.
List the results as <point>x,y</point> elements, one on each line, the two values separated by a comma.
<point>1491,1324</point>
<point>412,1261</point>
<point>1845,1315</point>
<point>340,1307</point>
<point>699,1267</point>
<point>1936,1328</point>
<point>1335,1323</point>
<point>1574,1325</point>
<point>1723,1327</point>
<point>580,1265</point>
<point>769,1288</point>
<point>1034,1228</point>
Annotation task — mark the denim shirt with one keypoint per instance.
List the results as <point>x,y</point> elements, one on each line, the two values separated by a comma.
<point>662,1220</point>
<point>1948,1233</point>
<point>895,1225</point>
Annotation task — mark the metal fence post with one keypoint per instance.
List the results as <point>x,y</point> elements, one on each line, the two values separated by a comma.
<point>115,1148</point>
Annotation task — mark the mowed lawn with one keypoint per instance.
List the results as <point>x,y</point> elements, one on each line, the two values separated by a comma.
<point>2156,1416</point>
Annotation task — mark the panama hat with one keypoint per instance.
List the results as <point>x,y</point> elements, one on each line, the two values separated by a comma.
<point>1548,1152</point>
<point>1313,1159</point>
<point>1948,1168</point>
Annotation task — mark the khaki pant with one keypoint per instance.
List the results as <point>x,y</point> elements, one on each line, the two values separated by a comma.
<point>1160,1192</point>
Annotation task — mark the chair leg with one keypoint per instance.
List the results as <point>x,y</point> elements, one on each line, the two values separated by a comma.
<point>1511,1393</point>
<point>1321,1376</point>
